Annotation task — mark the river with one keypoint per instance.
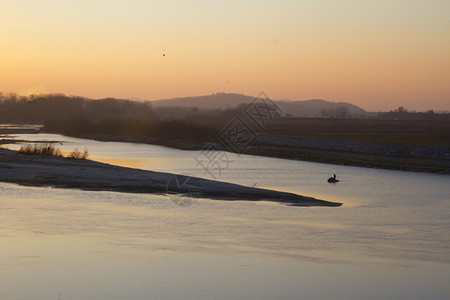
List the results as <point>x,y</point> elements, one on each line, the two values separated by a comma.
<point>390,239</point>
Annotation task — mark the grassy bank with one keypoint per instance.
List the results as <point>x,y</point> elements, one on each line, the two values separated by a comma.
<point>402,145</point>
<point>409,132</point>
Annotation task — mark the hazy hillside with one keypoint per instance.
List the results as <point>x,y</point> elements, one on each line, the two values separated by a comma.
<point>306,108</point>
<point>214,101</point>
<point>319,108</point>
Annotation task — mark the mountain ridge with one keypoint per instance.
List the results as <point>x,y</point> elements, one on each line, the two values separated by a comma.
<point>294,108</point>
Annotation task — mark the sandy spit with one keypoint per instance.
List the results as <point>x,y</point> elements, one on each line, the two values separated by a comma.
<point>36,170</point>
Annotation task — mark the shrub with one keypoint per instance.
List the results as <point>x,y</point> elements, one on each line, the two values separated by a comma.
<point>51,150</point>
<point>41,149</point>
<point>76,154</point>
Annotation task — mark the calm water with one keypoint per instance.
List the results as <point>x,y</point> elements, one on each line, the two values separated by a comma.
<point>389,240</point>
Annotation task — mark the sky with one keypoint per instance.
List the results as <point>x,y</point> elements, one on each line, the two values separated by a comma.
<point>376,54</point>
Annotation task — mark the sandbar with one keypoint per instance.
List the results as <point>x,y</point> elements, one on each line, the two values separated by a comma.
<point>59,172</point>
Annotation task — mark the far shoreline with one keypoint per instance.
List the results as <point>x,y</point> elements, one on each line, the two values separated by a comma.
<point>401,157</point>
<point>325,153</point>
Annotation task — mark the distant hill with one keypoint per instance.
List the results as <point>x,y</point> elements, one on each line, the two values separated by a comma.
<point>305,108</point>
<point>320,108</point>
<point>214,101</point>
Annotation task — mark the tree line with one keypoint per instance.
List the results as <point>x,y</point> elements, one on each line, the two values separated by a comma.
<point>126,120</point>
<point>40,108</point>
<point>404,114</point>
<point>108,119</point>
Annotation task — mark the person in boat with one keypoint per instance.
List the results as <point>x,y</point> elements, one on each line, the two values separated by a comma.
<point>333,179</point>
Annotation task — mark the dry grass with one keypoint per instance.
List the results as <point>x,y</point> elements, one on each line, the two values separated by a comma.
<point>40,149</point>
<point>51,150</point>
<point>76,154</point>
<point>409,132</point>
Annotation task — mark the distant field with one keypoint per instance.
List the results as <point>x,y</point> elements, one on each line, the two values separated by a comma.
<point>435,133</point>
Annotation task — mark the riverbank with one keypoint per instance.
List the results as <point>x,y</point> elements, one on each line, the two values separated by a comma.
<point>403,157</point>
<point>38,170</point>
<point>394,156</point>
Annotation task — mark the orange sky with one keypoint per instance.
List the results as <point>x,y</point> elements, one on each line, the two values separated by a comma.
<point>375,54</point>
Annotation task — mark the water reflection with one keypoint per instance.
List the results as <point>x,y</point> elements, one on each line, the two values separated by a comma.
<point>391,232</point>
<point>101,245</point>
<point>358,185</point>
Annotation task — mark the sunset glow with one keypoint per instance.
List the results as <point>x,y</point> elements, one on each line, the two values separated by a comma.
<point>376,54</point>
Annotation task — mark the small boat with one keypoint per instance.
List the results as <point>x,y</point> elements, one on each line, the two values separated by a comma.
<point>333,179</point>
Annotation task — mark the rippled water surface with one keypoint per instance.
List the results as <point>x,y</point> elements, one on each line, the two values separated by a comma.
<point>389,240</point>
